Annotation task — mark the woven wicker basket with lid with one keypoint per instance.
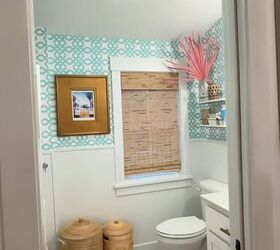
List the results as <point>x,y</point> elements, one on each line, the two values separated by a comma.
<point>118,235</point>
<point>214,90</point>
<point>81,235</point>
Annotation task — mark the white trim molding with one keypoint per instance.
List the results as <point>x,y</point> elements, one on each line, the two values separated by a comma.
<point>234,120</point>
<point>146,246</point>
<point>152,184</point>
<point>147,184</point>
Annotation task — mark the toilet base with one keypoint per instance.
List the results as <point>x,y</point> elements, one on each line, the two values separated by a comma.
<point>196,245</point>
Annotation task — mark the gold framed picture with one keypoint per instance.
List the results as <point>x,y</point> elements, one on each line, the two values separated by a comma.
<point>82,105</point>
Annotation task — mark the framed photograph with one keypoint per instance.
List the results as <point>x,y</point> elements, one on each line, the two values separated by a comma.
<point>82,105</point>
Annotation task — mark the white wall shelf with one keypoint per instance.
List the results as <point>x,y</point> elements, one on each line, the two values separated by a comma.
<point>213,126</point>
<point>213,101</point>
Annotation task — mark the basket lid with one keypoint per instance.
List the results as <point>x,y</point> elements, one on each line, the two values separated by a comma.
<point>117,227</point>
<point>80,230</point>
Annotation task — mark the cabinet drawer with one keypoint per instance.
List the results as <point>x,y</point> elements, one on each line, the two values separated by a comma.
<point>214,243</point>
<point>218,224</point>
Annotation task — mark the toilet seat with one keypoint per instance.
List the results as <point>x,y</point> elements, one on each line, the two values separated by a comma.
<point>182,228</point>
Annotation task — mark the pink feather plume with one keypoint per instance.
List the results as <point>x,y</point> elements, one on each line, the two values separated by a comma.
<point>199,57</point>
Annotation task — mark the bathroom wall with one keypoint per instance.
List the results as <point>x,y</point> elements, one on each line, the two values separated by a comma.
<point>81,174</point>
<point>83,187</point>
<point>66,54</point>
<point>208,145</point>
<point>218,76</point>
<point>209,160</point>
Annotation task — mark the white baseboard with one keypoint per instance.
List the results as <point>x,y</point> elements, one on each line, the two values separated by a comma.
<point>147,246</point>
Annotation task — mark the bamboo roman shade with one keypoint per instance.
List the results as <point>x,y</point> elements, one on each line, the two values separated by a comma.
<point>150,122</point>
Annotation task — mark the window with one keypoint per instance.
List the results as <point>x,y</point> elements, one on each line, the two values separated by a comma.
<point>150,123</point>
<point>147,105</point>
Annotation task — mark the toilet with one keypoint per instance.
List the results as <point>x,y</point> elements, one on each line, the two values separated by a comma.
<point>187,233</point>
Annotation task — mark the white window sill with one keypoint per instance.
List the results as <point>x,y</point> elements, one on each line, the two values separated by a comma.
<point>152,184</point>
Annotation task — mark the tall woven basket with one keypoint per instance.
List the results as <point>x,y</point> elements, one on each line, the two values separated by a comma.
<point>214,90</point>
<point>118,235</point>
<point>81,235</point>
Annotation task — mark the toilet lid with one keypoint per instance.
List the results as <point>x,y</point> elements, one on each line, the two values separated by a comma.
<point>182,227</point>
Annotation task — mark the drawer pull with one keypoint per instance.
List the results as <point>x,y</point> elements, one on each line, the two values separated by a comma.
<point>225,231</point>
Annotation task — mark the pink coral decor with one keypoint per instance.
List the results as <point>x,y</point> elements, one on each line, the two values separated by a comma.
<point>199,56</point>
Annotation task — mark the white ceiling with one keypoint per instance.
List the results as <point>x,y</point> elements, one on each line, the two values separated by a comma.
<point>141,19</point>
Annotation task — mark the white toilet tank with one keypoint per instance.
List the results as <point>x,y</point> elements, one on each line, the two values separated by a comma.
<point>210,186</point>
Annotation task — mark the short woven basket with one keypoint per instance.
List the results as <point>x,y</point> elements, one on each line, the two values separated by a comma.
<point>81,235</point>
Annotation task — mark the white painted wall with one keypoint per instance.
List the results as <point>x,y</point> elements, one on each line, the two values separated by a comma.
<point>142,19</point>
<point>83,186</point>
<point>209,160</point>
<point>19,201</point>
<point>260,114</point>
<point>82,180</point>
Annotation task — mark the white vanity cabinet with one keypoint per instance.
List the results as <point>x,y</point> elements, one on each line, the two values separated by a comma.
<point>218,225</point>
<point>215,243</point>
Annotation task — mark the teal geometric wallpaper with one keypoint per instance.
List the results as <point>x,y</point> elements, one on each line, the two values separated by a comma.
<point>68,54</point>
<point>218,76</point>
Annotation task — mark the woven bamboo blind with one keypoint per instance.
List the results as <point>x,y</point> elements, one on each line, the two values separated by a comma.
<point>150,123</point>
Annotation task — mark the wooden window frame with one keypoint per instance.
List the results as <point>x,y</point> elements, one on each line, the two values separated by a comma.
<point>148,183</point>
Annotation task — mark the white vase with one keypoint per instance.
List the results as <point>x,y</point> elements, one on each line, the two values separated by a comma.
<point>205,89</point>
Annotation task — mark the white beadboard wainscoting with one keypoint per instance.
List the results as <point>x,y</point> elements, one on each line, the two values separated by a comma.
<point>80,183</point>
<point>209,160</point>
<point>147,246</point>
